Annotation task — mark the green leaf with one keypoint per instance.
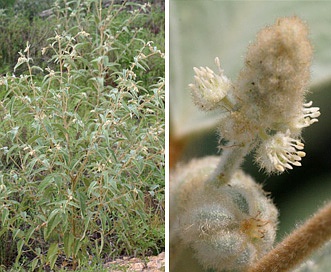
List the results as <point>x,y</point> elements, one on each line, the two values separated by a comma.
<point>13,132</point>
<point>82,202</point>
<point>33,139</point>
<point>61,129</point>
<point>37,68</point>
<point>68,241</point>
<point>11,106</point>
<point>87,221</point>
<point>4,216</point>
<point>10,151</point>
<point>29,233</point>
<point>53,221</point>
<point>48,180</point>
<point>20,244</point>
<point>52,254</point>
<point>34,263</point>
<point>91,188</point>
<point>17,233</point>
<point>77,246</point>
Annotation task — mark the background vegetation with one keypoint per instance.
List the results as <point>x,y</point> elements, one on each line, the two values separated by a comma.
<point>81,133</point>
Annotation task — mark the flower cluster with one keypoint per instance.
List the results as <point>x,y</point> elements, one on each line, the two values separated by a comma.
<point>266,105</point>
<point>206,82</point>
<point>280,152</point>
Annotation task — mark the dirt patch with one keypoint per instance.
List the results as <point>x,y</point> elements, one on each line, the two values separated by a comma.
<point>151,264</point>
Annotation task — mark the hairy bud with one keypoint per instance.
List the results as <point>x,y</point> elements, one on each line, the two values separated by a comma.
<point>228,227</point>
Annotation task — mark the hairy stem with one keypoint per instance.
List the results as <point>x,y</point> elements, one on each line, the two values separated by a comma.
<point>230,161</point>
<point>299,244</point>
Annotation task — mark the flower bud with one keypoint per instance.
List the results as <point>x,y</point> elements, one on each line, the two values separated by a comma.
<point>276,75</point>
<point>228,227</point>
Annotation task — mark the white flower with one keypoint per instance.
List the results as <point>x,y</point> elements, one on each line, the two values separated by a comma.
<point>50,71</point>
<point>209,88</point>
<point>279,152</point>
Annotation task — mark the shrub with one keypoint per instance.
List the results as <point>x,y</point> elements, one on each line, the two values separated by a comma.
<point>82,143</point>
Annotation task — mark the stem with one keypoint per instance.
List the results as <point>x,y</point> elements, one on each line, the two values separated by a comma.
<point>299,244</point>
<point>231,159</point>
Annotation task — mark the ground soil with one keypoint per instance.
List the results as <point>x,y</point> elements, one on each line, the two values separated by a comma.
<point>151,264</point>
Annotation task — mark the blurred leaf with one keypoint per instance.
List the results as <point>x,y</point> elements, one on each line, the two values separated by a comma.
<point>34,263</point>
<point>52,254</point>
<point>68,240</point>
<point>20,244</point>
<point>319,262</point>
<point>4,216</point>
<point>54,219</point>
<point>305,201</point>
